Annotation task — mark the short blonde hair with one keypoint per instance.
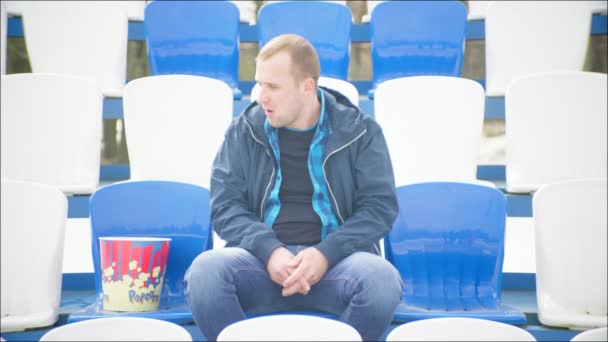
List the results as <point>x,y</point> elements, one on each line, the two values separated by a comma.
<point>304,58</point>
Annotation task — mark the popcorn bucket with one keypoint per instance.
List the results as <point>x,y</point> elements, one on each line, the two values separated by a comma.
<point>133,269</point>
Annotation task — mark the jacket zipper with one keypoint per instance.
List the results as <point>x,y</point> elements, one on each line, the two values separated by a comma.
<point>325,175</point>
<point>329,186</point>
<point>273,170</point>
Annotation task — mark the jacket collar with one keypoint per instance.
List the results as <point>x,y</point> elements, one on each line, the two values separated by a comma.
<point>345,119</point>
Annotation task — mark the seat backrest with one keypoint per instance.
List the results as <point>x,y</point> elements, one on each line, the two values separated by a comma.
<point>51,131</point>
<point>432,126</point>
<point>597,334</point>
<point>286,327</point>
<point>448,245</point>
<point>179,211</point>
<point>180,146</point>
<point>344,87</point>
<point>33,222</point>
<point>326,25</point>
<point>3,27</point>
<point>477,9</point>
<point>201,111</point>
<point>78,38</point>
<point>135,9</point>
<point>413,38</point>
<point>547,36</point>
<point>571,260</point>
<point>555,127</point>
<point>458,329</point>
<point>119,329</point>
<point>600,7</point>
<point>247,11</point>
<point>194,38</point>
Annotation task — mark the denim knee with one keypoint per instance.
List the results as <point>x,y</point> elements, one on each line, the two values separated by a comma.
<point>206,270</point>
<point>381,279</point>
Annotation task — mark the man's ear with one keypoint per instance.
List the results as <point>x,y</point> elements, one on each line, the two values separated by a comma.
<point>309,84</point>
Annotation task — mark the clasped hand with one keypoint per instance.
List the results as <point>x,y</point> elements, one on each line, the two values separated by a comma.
<point>297,273</point>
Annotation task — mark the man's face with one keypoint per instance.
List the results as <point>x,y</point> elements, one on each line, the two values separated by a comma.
<point>281,95</point>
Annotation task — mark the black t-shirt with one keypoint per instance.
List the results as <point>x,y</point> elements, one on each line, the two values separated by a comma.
<point>297,222</point>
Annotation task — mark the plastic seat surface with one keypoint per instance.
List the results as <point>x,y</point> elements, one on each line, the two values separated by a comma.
<point>432,126</point>
<point>96,50</point>
<point>448,245</point>
<point>458,329</point>
<point>548,36</point>
<point>176,210</point>
<point>289,328</point>
<point>570,223</point>
<point>194,38</point>
<point>326,25</point>
<point>183,145</point>
<point>46,141</point>
<point>371,5</point>
<point>415,38</point>
<point>135,9</point>
<point>118,329</point>
<point>3,27</point>
<point>597,334</point>
<point>478,9</point>
<point>33,222</point>
<point>600,7</point>
<point>573,145</point>
<point>344,87</point>
<point>247,11</point>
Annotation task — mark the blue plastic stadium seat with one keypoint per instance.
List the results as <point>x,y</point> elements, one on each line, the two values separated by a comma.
<point>194,38</point>
<point>416,38</point>
<point>326,25</point>
<point>179,211</point>
<point>448,245</point>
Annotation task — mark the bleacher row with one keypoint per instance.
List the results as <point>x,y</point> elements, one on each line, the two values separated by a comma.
<point>168,138</point>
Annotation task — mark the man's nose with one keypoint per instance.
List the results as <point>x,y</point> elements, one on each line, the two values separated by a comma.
<point>262,97</point>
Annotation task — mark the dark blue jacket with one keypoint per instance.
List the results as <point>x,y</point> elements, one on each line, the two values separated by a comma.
<point>358,173</point>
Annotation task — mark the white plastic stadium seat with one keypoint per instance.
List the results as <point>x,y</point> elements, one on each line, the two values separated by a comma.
<point>289,328</point>
<point>51,131</point>
<point>344,87</point>
<point>175,125</point>
<point>547,36</point>
<point>79,38</point>
<point>14,7</point>
<point>33,218</point>
<point>247,11</point>
<point>432,126</point>
<point>119,329</point>
<point>371,4</point>
<point>477,9</point>
<point>597,334</point>
<point>3,27</point>
<point>555,126</point>
<point>135,9</point>
<point>600,7</point>
<point>458,329</point>
<point>571,258</point>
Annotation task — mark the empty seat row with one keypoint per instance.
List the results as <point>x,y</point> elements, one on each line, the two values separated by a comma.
<point>287,327</point>
<point>201,38</point>
<point>477,9</point>
<point>176,123</point>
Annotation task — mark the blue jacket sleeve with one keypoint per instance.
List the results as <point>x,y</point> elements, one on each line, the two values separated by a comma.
<point>375,203</point>
<point>231,216</point>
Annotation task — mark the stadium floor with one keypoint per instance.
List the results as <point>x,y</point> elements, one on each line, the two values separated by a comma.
<point>523,300</point>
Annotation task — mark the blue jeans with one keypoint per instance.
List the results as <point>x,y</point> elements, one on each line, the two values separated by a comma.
<point>222,284</point>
